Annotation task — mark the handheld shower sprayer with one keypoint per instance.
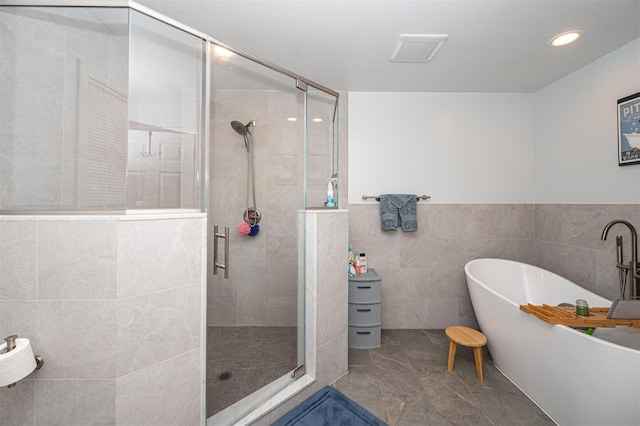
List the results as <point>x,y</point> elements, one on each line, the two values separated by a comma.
<point>251,214</point>
<point>632,266</point>
<point>622,273</point>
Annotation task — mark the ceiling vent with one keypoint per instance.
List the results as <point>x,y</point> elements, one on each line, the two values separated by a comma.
<point>417,47</point>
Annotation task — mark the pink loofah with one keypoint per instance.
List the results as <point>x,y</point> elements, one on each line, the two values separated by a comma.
<point>244,228</point>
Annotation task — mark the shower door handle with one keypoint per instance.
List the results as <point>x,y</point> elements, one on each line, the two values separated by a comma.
<point>217,265</point>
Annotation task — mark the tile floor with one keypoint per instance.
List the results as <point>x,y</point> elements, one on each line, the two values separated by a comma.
<point>406,383</point>
<point>255,356</point>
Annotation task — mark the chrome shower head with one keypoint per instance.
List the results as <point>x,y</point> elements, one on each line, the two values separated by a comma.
<point>240,128</point>
<point>243,129</point>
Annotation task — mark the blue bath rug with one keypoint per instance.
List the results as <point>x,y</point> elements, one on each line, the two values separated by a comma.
<point>329,407</point>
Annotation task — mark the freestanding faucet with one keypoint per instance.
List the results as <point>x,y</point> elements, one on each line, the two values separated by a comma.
<point>633,264</point>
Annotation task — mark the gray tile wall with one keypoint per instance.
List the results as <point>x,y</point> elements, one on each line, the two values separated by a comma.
<point>567,242</point>
<point>114,306</point>
<point>332,293</point>
<point>261,288</point>
<point>423,283</point>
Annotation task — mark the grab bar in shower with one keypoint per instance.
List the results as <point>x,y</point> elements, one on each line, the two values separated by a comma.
<point>225,265</point>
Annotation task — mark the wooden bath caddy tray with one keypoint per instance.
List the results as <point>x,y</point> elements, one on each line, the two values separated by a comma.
<point>566,315</point>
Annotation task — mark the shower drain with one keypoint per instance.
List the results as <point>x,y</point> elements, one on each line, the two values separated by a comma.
<point>224,376</point>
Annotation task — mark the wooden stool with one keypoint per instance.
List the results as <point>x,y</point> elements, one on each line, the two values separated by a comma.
<point>466,336</point>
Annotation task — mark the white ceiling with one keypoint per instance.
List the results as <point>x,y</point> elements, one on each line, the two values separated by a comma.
<point>493,45</point>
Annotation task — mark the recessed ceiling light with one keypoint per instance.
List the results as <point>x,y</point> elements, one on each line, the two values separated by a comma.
<point>292,119</point>
<point>317,120</point>
<point>565,38</point>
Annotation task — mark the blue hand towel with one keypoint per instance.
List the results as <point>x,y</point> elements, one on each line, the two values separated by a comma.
<point>398,209</point>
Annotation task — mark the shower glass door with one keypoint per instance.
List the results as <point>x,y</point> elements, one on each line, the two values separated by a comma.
<point>253,316</point>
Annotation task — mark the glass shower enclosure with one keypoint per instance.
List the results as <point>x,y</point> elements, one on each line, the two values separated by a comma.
<point>272,154</point>
<point>102,111</point>
<point>165,143</point>
<point>115,109</point>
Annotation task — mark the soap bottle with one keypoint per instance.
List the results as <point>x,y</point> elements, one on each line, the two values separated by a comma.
<point>363,263</point>
<point>330,201</point>
<point>352,258</point>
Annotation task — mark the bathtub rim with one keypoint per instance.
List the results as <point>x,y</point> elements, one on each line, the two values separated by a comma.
<point>598,340</point>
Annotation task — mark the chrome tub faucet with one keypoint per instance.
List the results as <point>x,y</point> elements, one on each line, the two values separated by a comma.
<point>632,266</point>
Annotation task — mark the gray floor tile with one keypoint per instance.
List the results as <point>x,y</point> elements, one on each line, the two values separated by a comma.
<point>255,356</point>
<point>406,383</point>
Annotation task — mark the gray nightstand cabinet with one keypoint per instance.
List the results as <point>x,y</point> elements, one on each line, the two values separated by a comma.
<point>365,297</point>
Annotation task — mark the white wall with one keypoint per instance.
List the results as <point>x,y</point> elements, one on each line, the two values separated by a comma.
<point>576,133</point>
<point>456,147</point>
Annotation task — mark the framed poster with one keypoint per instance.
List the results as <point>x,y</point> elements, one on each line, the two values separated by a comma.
<point>629,130</point>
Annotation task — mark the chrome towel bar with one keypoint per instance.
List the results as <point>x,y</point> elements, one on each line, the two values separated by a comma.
<point>377,197</point>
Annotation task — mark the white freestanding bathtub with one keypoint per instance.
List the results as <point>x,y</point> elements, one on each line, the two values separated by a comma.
<point>577,379</point>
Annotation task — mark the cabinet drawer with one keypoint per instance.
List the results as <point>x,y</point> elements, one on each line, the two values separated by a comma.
<point>365,291</point>
<point>364,337</point>
<point>364,314</point>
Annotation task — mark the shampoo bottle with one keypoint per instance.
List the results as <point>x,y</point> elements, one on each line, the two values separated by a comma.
<point>363,263</point>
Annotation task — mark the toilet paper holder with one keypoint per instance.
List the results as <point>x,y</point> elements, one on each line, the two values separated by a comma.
<point>10,345</point>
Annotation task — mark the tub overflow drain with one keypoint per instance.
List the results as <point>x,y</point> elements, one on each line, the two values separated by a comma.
<point>224,376</point>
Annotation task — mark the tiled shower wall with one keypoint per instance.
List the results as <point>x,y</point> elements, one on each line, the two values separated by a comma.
<point>262,284</point>
<point>261,289</point>
<point>114,306</point>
